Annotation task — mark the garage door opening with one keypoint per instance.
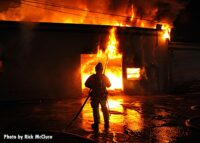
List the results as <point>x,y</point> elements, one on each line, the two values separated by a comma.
<point>111,60</point>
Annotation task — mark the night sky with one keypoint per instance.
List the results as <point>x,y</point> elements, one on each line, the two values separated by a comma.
<point>187,24</point>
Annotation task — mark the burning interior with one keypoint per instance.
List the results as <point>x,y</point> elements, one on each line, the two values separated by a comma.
<point>126,65</point>
<point>51,55</point>
<point>111,59</point>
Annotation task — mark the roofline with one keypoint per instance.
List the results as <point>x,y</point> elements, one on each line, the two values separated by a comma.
<point>13,25</point>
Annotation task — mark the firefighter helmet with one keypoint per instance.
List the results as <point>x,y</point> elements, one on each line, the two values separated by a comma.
<point>99,67</point>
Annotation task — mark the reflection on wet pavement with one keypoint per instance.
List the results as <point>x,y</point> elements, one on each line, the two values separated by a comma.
<point>129,122</point>
<point>124,119</point>
<point>121,115</point>
<point>167,134</point>
<point>133,119</point>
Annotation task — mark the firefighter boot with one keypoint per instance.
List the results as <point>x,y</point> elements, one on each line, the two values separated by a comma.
<point>106,127</point>
<point>95,127</point>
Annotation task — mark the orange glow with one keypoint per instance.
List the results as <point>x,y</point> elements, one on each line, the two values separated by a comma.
<point>80,12</point>
<point>99,52</point>
<point>132,13</point>
<point>114,73</point>
<point>115,104</point>
<point>112,45</point>
<point>134,120</point>
<point>166,31</point>
<point>133,73</point>
<point>110,58</point>
<point>142,24</point>
<point>119,115</point>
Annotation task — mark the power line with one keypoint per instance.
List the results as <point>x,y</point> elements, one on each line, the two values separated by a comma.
<point>78,9</point>
<point>73,8</point>
<point>59,11</point>
<point>51,9</point>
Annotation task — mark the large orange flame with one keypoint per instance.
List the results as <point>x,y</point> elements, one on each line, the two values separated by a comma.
<point>83,12</point>
<point>112,45</point>
<point>111,59</point>
<point>113,71</point>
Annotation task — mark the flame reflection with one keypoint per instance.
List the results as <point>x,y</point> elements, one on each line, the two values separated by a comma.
<point>166,134</point>
<point>119,116</point>
<point>134,120</point>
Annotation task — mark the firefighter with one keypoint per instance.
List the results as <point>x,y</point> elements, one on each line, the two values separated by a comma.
<point>98,83</point>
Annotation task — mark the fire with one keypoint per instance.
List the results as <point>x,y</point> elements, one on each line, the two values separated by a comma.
<point>111,59</point>
<point>114,73</point>
<point>83,12</point>
<point>132,13</point>
<point>166,31</point>
<point>133,73</point>
<point>126,13</point>
<point>112,45</point>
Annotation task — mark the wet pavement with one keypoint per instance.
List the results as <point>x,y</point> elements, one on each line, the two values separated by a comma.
<point>133,118</point>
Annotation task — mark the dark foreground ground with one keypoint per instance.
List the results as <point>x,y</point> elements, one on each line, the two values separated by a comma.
<point>133,119</point>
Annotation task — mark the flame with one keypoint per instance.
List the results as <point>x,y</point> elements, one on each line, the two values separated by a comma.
<point>113,73</point>
<point>112,44</point>
<point>133,73</point>
<point>82,12</point>
<point>132,13</point>
<point>111,59</point>
<point>99,52</point>
<point>166,31</point>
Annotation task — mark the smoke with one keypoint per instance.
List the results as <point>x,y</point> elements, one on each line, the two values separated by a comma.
<point>87,11</point>
<point>6,4</point>
<point>159,10</point>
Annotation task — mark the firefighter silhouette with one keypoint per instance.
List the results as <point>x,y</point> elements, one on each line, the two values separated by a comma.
<point>98,83</point>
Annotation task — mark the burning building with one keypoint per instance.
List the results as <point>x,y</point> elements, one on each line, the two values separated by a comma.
<point>52,55</point>
<point>51,59</point>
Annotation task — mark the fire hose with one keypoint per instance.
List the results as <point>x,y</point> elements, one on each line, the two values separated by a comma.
<point>70,123</point>
<point>75,117</point>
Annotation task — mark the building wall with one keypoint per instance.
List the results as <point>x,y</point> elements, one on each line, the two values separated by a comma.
<point>42,60</point>
<point>184,64</point>
<point>147,50</point>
